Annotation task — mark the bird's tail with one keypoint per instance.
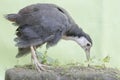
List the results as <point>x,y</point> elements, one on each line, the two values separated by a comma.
<point>22,52</point>
<point>12,17</point>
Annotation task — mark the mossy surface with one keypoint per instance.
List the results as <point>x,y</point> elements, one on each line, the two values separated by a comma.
<point>69,72</point>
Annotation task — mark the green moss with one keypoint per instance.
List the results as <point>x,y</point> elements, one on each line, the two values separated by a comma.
<point>27,66</point>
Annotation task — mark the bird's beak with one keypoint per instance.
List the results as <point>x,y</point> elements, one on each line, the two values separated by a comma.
<point>87,51</point>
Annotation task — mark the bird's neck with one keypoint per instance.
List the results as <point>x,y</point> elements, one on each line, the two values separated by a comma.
<point>80,40</point>
<point>75,31</point>
<point>76,34</point>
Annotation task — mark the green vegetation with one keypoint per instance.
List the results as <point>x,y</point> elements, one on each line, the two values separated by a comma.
<point>55,63</point>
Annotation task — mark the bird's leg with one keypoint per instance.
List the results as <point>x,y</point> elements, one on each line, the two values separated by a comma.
<point>38,66</point>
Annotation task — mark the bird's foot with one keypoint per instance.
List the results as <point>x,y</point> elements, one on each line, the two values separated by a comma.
<point>39,67</point>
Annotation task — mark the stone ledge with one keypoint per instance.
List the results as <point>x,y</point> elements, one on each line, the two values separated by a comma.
<point>72,73</point>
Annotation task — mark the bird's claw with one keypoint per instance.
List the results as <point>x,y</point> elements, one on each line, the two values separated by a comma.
<point>39,67</point>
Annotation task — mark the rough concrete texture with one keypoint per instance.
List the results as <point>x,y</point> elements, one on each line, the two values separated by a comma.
<point>72,73</point>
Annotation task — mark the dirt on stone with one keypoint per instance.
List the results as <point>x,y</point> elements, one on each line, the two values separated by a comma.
<point>62,73</point>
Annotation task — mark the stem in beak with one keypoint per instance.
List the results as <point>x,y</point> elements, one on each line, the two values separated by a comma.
<point>87,54</point>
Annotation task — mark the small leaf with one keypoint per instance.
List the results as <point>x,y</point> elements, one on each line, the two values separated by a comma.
<point>106,59</point>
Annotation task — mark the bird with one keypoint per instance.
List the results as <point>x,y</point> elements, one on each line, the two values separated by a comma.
<point>46,23</point>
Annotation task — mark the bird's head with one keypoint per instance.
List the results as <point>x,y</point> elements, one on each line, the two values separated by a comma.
<point>86,43</point>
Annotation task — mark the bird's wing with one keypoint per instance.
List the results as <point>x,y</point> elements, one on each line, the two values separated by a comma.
<point>26,32</point>
<point>26,36</point>
<point>54,40</point>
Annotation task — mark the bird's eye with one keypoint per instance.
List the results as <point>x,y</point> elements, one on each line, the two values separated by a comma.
<point>88,44</point>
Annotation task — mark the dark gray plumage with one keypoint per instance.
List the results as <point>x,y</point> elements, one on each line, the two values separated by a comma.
<point>43,23</point>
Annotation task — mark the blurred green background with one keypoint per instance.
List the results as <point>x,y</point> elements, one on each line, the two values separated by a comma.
<point>99,18</point>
